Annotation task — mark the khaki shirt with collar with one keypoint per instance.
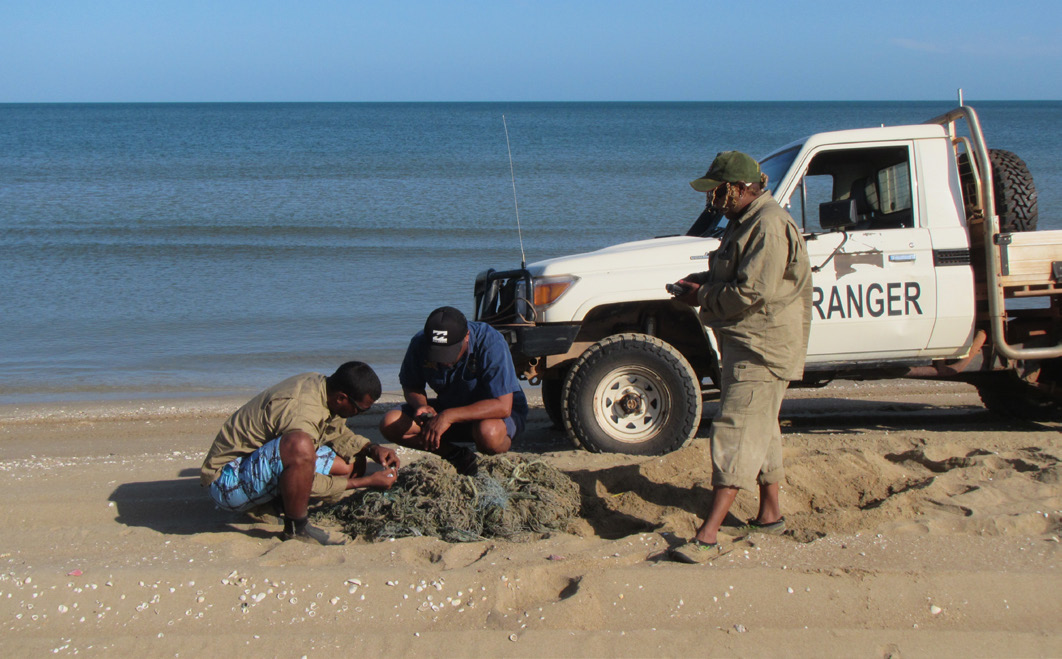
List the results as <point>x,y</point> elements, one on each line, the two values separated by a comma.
<point>298,403</point>
<point>758,294</point>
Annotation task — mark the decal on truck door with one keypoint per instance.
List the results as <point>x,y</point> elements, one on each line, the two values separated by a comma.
<point>896,298</point>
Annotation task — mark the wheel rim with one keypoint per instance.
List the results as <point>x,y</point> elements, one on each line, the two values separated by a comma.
<point>631,404</point>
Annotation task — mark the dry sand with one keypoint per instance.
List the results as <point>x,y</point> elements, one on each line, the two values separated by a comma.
<point>920,525</point>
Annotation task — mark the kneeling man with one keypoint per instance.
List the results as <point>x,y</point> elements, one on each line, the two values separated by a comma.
<point>291,442</point>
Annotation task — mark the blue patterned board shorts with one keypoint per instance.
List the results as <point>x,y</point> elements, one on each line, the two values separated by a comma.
<point>251,480</point>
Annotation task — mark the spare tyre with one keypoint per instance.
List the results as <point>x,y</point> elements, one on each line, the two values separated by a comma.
<point>1015,192</point>
<point>1013,188</point>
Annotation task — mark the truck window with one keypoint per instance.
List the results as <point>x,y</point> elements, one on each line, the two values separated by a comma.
<point>894,188</point>
<point>777,165</point>
<point>804,203</point>
<point>878,179</point>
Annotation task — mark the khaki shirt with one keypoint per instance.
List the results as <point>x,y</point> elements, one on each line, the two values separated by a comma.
<point>298,403</point>
<point>758,293</point>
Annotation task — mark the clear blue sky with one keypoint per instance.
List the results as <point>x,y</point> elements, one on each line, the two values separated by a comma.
<point>495,50</point>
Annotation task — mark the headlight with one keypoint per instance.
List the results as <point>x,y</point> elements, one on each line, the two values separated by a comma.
<point>549,289</point>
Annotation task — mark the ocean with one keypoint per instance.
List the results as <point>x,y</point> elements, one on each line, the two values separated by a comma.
<point>164,250</point>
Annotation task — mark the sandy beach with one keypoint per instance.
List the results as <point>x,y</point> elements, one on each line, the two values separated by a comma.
<point>920,525</point>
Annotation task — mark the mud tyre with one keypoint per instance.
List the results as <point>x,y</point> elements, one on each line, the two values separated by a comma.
<point>552,388</point>
<point>633,394</point>
<point>1012,184</point>
<point>1016,201</point>
<point>1032,393</point>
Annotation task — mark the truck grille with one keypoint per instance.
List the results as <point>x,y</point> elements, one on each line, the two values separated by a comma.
<point>943,257</point>
<point>503,297</point>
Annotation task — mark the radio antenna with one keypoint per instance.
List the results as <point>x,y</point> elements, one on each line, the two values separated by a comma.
<point>512,173</point>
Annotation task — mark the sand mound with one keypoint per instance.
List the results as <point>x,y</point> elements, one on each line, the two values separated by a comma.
<point>900,484</point>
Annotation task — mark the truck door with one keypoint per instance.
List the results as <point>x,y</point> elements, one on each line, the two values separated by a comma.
<point>874,284</point>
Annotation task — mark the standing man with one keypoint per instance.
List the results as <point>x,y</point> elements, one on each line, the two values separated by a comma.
<point>756,295</point>
<point>479,398</point>
<point>291,442</point>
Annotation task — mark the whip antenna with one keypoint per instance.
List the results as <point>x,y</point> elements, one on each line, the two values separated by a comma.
<point>512,173</point>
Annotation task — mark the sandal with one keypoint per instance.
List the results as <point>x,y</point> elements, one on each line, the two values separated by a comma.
<point>774,528</point>
<point>695,552</point>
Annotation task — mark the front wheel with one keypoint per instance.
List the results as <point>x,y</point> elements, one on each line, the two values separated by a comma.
<point>551,399</point>
<point>631,393</point>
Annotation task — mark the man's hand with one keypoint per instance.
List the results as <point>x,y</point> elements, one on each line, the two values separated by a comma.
<point>699,278</point>
<point>690,296</point>
<point>385,456</point>
<point>383,479</point>
<point>432,430</point>
<point>424,411</point>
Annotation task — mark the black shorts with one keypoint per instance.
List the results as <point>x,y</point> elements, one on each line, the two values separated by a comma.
<point>462,432</point>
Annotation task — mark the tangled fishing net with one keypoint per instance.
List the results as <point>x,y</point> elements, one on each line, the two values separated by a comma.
<point>509,496</point>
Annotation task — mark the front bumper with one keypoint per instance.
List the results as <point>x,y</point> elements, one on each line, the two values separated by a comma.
<point>533,341</point>
<point>503,300</point>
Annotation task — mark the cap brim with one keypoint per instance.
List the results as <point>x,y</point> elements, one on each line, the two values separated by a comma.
<point>705,184</point>
<point>445,354</point>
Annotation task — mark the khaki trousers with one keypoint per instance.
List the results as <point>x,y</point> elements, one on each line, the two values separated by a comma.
<point>746,439</point>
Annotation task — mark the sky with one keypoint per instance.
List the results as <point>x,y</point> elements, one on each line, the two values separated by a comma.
<point>544,50</point>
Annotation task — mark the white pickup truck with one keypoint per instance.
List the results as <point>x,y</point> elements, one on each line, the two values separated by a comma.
<point>922,243</point>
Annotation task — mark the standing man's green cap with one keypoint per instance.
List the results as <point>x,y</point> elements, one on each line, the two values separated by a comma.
<point>729,167</point>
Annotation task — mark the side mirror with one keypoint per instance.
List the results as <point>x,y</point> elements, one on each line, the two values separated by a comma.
<point>838,215</point>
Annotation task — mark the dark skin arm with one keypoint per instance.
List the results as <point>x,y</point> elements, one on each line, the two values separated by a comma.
<point>690,296</point>
<point>383,455</point>
<point>355,472</point>
<point>382,479</point>
<point>418,400</point>
<point>692,282</point>
<point>432,430</point>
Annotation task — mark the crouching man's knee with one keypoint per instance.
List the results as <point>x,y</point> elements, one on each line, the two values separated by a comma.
<point>297,450</point>
<point>492,437</point>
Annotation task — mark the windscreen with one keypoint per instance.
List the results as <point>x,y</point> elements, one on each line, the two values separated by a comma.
<point>777,165</point>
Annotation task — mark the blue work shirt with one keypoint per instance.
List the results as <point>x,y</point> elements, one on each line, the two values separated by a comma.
<point>486,371</point>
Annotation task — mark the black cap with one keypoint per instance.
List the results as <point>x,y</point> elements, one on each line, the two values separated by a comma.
<point>444,333</point>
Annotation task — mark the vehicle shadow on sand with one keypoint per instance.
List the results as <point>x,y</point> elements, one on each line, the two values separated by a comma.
<point>836,414</point>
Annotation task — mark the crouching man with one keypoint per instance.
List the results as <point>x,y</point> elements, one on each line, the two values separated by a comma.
<point>479,399</point>
<point>291,442</point>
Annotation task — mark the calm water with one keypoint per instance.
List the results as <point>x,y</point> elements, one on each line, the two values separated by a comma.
<point>214,248</point>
